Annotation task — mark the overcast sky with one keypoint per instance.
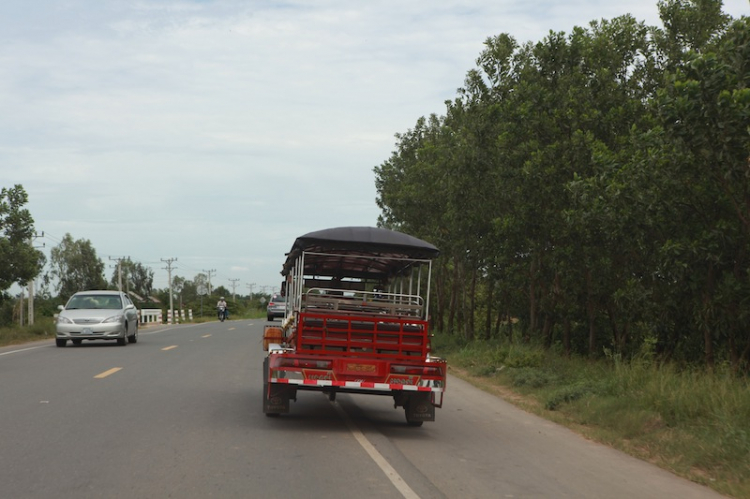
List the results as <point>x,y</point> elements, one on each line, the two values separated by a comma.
<point>216,132</point>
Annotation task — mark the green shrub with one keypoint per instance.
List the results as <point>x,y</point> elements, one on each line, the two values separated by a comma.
<point>483,370</point>
<point>43,328</point>
<point>568,394</point>
<point>524,357</point>
<point>531,377</point>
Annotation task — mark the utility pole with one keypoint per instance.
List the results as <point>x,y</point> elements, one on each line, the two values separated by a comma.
<point>250,286</point>
<point>20,310</point>
<point>119,272</point>
<point>31,302</point>
<point>31,285</point>
<point>234,285</point>
<point>209,272</point>
<point>168,268</point>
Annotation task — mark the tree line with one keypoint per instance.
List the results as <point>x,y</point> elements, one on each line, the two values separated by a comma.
<point>591,191</point>
<point>74,265</point>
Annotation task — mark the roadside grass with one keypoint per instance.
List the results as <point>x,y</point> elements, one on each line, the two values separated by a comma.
<point>43,329</point>
<point>692,422</point>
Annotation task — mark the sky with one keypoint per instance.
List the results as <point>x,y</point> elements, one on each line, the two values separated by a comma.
<point>214,133</point>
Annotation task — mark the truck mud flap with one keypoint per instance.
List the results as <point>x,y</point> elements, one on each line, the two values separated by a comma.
<point>419,408</point>
<point>276,399</point>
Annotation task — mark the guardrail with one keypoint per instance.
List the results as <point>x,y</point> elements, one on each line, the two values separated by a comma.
<point>150,316</point>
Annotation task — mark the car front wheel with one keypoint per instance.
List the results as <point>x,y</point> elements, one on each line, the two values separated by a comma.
<point>60,342</point>
<point>134,337</point>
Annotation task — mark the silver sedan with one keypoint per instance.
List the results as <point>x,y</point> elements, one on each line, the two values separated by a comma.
<point>97,315</point>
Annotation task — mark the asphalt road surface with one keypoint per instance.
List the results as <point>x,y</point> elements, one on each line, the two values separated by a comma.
<point>178,415</point>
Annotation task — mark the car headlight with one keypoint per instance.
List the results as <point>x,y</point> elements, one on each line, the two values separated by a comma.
<point>63,320</point>
<point>114,318</point>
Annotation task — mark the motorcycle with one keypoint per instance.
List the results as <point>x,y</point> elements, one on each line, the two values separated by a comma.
<point>223,313</point>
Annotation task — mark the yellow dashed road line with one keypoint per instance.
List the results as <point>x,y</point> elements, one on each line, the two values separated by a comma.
<point>107,373</point>
<point>169,348</point>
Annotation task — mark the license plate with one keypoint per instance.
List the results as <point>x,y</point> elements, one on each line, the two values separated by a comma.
<point>361,368</point>
<point>86,330</point>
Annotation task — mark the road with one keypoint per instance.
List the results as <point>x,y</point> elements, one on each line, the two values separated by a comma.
<point>178,414</point>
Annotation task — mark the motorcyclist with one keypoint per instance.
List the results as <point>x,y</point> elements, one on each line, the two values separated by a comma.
<point>222,303</point>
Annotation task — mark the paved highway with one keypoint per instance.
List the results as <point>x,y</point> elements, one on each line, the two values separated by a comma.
<point>178,414</point>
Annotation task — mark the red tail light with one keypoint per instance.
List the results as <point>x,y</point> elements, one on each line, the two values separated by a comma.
<point>417,370</point>
<point>305,363</point>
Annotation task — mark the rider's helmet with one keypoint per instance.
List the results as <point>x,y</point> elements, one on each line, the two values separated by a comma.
<point>222,298</point>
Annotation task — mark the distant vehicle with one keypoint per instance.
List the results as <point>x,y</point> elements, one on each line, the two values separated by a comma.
<point>276,307</point>
<point>222,312</point>
<point>97,315</point>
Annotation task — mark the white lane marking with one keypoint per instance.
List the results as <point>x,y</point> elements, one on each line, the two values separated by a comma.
<point>376,456</point>
<point>22,350</point>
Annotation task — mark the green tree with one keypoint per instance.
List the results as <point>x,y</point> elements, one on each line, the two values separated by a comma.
<point>592,185</point>
<point>704,110</point>
<point>689,25</point>
<point>76,267</point>
<point>21,262</point>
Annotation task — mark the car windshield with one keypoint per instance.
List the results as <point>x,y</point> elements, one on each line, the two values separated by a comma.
<point>94,302</point>
<point>278,299</point>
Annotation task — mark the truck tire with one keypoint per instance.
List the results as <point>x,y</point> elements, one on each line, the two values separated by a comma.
<point>265,390</point>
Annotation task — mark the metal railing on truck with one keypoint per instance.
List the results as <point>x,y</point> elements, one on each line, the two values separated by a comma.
<point>363,303</point>
<point>357,336</point>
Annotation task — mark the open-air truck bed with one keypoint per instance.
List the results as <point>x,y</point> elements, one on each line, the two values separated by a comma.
<point>357,321</point>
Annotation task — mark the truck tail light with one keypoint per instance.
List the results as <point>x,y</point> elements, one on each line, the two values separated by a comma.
<point>417,370</point>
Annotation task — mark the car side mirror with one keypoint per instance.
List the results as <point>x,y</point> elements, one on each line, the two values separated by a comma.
<point>61,307</point>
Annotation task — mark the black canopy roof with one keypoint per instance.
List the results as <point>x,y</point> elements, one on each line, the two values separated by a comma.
<point>353,248</point>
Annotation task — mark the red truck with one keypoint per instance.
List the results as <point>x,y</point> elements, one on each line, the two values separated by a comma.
<point>356,321</point>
